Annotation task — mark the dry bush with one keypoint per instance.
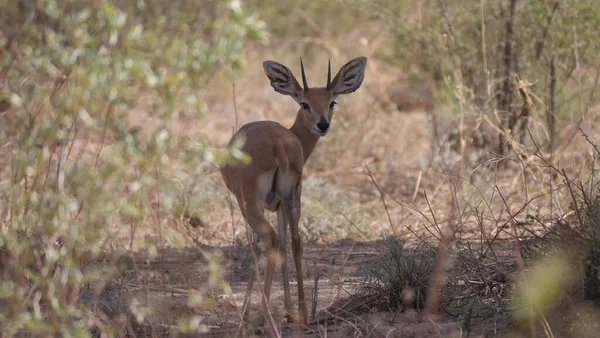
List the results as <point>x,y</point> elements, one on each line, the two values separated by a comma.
<point>591,233</point>
<point>400,279</point>
<point>476,288</point>
<point>510,64</point>
<point>397,281</point>
<point>575,237</point>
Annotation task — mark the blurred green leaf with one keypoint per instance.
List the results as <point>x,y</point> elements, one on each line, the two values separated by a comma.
<point>544,287</point>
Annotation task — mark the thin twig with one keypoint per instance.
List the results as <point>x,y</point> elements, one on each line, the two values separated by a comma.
<point>235,110</point>
<point>575,204</point>
<point>539,45</point>
<point>587,138</point>
<point>362,233</point>
<point>315,290</point>
<point>519,259</point>
<point>381,195</point>
<point>106,117</point>
<point>435,222</point>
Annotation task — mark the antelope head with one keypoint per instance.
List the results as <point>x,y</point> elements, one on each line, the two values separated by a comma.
<point>316,104</point>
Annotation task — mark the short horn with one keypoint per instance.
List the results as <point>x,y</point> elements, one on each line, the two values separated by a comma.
<point>303,76</point>
<point>329,74</point>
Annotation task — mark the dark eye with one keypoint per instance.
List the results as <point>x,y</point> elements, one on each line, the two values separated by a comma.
<point>305,106</point>
<point>332,104</point>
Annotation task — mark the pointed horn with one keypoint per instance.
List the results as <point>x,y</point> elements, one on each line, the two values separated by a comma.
<point>303,76</point>
<point>329,74</point>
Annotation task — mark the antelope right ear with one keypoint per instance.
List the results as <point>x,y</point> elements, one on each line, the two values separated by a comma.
<point>350,77</point>
<point>282,79</point>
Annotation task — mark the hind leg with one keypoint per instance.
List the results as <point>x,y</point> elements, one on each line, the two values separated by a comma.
<point>252,277</point>
<point>292,210</point>
<point>282,229</point>
<point>258,222</point>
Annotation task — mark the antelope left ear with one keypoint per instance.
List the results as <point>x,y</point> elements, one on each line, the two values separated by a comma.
<point>350,77</point>
<point>282,79</point>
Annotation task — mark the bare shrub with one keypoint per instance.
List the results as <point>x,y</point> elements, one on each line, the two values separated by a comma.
<point>397,281</point>
<point>400,279</point>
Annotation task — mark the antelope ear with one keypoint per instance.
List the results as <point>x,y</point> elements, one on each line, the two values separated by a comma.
<point>282,79</point>
<point>350,77</point>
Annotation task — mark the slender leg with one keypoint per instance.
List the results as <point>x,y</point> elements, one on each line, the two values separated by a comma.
<point>282,227</point>
<point>256,253</point>
<point>292,204</point>
<point>272,254</point>
<point>268,236</point>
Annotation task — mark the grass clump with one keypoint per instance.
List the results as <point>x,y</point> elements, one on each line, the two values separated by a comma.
<point>397,281</point>
<point>400,279</point>
<point>476,287</point>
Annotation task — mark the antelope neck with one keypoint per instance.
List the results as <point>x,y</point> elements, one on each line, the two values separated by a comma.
<point>307,139</point>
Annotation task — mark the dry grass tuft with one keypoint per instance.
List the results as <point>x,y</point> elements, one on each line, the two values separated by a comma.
<point>400,279</point>
<point>397,281</point>
<point>476,288</point>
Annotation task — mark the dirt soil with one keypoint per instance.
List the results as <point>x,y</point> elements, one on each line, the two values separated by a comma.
<point>161,283</point>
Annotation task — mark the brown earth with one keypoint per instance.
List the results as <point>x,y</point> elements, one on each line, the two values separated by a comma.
<point>161,285</point>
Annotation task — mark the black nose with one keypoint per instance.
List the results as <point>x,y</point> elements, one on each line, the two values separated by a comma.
<point>323,124</point>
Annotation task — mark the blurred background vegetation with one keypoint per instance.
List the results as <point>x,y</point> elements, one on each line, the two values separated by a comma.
<point>114,113</point>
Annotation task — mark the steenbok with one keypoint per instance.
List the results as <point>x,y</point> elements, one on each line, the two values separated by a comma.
<point>273,179</point>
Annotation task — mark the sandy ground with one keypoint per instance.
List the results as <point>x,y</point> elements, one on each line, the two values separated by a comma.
<point>161,286</point>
